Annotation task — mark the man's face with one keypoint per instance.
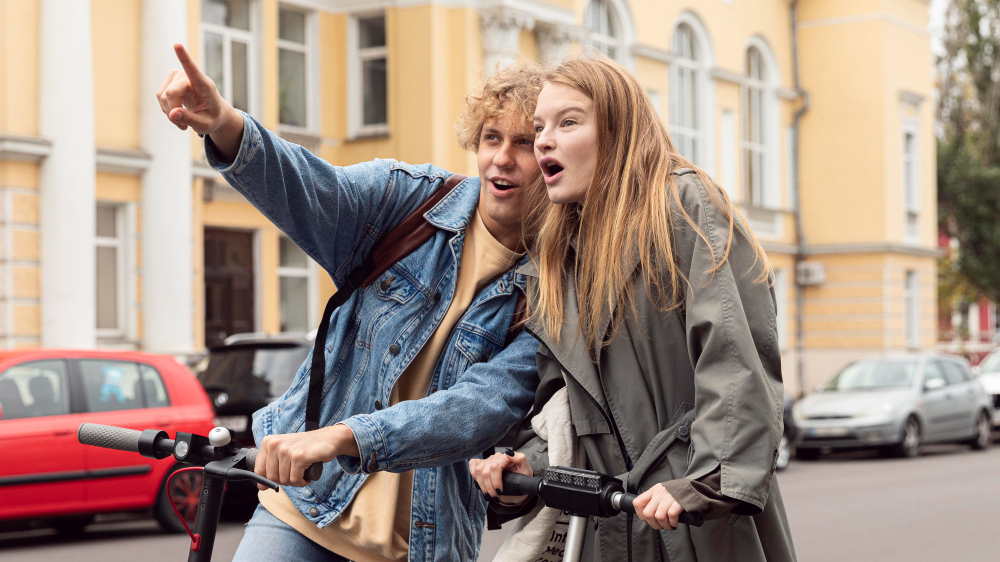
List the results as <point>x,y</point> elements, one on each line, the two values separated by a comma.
<point>507,166</point>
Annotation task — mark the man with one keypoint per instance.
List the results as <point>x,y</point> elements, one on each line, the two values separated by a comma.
<point>418,377</point>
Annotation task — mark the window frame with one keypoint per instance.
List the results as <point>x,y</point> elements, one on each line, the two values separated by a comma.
<point>910,167</point>
<point>697,68</point>
<point>771,186</point>
<point>754,119</point>
<point>356,57</point>
<point>310,48</point>
<point>599,39</point>
<point>911,307</point>
<point>253,54</point>
<point>120,243</point>
<point>312,284</point>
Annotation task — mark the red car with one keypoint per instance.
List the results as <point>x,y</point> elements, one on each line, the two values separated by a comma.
<point>45,473</point>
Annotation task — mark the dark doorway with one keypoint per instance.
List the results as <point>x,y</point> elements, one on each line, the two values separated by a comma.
<point>228,284</point>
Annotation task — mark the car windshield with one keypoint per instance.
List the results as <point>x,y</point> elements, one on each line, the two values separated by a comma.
<point>991,364</point>
<point>257,373</point>
<point>874,374</point>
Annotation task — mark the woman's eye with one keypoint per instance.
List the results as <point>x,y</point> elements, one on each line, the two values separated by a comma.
<point>568,123</point>
<point>538,129</point>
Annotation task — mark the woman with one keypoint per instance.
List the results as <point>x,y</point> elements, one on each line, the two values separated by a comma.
<point>653,304</point>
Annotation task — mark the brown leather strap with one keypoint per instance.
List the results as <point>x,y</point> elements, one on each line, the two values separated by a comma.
<point>409,234</point>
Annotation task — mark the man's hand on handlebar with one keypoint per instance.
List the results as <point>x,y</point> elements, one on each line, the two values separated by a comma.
<point>489,474</point>
<point>658,508</point>
<point>285,458</point>
<point>189,98</point>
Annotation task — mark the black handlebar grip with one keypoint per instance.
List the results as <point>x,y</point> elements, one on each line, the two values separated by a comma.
<point>694,519</point>
<point>109,437</point>
<point>251,458</point>
<point>311,475</point>
<point>515,484</point>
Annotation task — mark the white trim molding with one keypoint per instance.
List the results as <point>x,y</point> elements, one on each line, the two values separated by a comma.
<point>131,162</point>
<point>28,149</point>
<point>861,18</point>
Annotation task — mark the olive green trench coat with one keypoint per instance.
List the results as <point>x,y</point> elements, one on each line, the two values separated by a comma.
<point>679,395</point>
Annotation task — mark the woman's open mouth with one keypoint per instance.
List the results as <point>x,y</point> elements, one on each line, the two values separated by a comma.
<point>551,168</point>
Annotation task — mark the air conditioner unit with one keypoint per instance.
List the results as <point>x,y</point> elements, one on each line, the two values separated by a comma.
<point>810,273</point>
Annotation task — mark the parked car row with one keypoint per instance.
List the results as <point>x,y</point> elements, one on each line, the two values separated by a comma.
<point>46,474</point>
<point>897,404</point>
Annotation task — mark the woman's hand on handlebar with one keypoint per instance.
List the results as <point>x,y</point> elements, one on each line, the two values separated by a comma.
<point>285,458</point>
<point>488,473</point>
<point>658,508</point>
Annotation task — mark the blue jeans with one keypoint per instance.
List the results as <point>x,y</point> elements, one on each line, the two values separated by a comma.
<point>267,539</point>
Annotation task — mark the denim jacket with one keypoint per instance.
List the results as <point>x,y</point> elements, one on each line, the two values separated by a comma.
<point>479,388</point>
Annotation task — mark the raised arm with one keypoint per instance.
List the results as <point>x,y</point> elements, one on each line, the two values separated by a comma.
<point>335,214</point>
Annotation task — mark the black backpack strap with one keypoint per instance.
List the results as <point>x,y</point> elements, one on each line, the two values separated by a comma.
<point>394,246</point>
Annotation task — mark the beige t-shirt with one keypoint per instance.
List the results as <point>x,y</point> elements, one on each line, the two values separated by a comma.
<point>375,526</point>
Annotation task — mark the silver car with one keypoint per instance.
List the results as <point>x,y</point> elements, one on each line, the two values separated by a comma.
<point>896,404</point>
<point>989,377</point>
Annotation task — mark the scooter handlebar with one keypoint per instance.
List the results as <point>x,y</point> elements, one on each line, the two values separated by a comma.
<point>625,506</point>
<point>109,437</point>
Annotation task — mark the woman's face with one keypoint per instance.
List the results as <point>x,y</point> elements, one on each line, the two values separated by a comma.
<point>565,141</point>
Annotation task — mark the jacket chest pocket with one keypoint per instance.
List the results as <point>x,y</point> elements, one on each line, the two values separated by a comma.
<point>394,286</point>
<point>471,345</point>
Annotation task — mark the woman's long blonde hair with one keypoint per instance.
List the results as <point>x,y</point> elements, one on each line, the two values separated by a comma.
<point>626,210</point>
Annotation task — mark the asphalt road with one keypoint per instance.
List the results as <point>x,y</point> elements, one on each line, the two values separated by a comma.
<point>943,506</point>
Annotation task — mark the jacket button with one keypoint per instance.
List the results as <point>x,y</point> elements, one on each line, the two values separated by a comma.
<point>683,431</point>
<point>314,511</point>
<point>378,404</point>
<point>437,297</point>
<point>372,466</point>
<point>394,349</point>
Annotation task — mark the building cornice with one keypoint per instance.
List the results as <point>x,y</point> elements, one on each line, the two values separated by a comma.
<point>28,149</point>
<point>874,248</point>
<point>654,53</point>
<point>132,162</point>
<point>538,10</point>
<point>862,18</point>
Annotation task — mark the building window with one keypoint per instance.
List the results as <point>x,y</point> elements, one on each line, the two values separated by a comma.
<point>685,97</point>
<point>296,287</point>
<point>911,186</point>
<point>227,48</point>
<point>294,78</point>
<point>369,92</point>
<point>912,310</point>
<point>605,28</point>
<point>754,130</point>
<point>110,243</point>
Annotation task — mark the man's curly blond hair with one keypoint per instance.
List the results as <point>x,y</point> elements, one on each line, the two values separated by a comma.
<point>509,91</point>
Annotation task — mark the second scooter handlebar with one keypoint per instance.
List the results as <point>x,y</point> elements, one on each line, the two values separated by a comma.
<point>582,492</point>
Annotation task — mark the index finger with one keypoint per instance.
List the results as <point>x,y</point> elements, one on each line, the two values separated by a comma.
<point>189,66</point>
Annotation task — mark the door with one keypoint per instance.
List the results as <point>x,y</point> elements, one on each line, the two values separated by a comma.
<point>43,468</point>
<point>963,392</point>
<point>229,299</point>
<point>123,394</point>
<point>944,411</point>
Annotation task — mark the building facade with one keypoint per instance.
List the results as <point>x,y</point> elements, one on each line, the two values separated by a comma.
<point>814,115</point>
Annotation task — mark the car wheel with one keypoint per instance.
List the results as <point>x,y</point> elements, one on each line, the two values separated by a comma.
<point>185,491</point>
<point>784,453</point>
<point>909,444</point>
<point>807,454</point>
<point>71,526</point>
<point>984,432</point>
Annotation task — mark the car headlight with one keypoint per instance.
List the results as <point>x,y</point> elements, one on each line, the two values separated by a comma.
<point>878,409</point>
<point>797,413</point>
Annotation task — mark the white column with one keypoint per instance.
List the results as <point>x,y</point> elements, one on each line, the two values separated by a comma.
<point>67,205</point>
<point>501,31</point>
<point>167,302</point>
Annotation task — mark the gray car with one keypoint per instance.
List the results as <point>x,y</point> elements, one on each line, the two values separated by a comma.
<point>896,404</point>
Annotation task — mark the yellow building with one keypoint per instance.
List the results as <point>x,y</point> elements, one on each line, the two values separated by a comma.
<point>815,116</point>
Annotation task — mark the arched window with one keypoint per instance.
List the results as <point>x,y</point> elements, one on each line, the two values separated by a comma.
<point>755,129</point>
<point>685,97</point>
<point>604,25</point>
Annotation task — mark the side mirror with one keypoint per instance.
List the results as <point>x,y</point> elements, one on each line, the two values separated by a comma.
<point>933,384</point>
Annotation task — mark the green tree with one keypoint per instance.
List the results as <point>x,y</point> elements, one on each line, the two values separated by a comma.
<point>968,174</point>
